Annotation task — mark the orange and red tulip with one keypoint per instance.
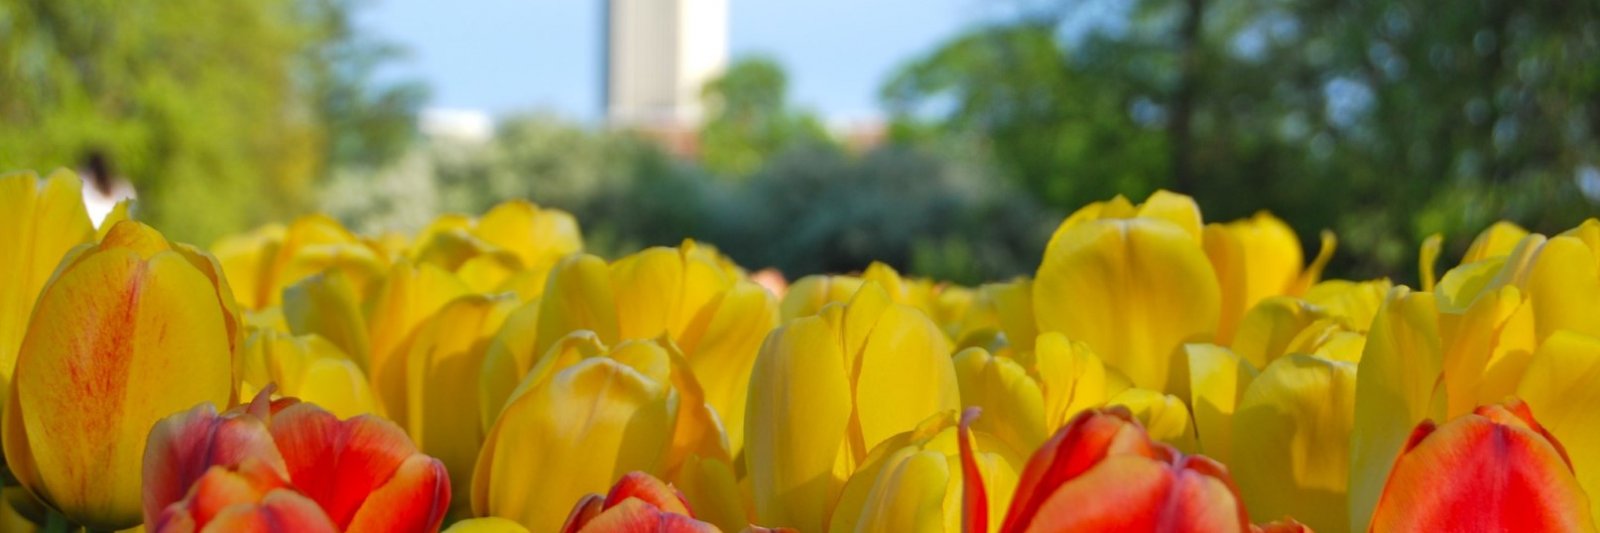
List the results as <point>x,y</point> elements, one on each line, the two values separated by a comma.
<point>253,498</point>
<point>1101,472</point>
<point>1496,469</point>
<point>637,503</point>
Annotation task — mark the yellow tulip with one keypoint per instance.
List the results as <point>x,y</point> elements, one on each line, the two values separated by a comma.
<point>307,367</point>
<point>1217,381</point>
<point>636,405</point>
<point>1256,258</point>
<point>1397,387</point>
<point>247,260</point>
<point>999,309</point>
<point>1559,386</point>
<point>946,305</point>
<point>1134,284</point>
<point>126,332</point>
<point>486,525</point>
<point>269,260</point>
<point>1012,401</point>
<point>442,369</point>
<point>827,389</point>
<point>1291,435</point>
<point>39,223</point>
<point>1164,416</point>
<point>407,296</point>
<point>688,294</point>
<point>913,481</point>
<point>508,357</point>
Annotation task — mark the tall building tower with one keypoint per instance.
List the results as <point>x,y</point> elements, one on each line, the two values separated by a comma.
<point>659,53</point>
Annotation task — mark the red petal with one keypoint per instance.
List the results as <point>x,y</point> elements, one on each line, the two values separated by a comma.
<point>415,499</point>
<point>635,516</point>
<point>649,489</point>
<point>974,497</point>
<point>281,511</point>
<point>586,509</point>
<point>1085,441</point>
<point>182,447</point>
<point>338,464</point>
<point>1495,470</point>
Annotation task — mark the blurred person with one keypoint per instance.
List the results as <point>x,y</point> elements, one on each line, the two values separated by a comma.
<point>102,188</point>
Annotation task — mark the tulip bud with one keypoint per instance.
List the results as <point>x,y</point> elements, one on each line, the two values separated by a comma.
<point>1494,470</point>
<point>913,481</point>
<point>126,332</point>
<point>827,389</point>
<point>637,503</point>
<point>1102,473</point>
<point>636,404</point>
<point>252,498</point>
<point>307,367</point>
<point>1134,284</point>
<point>39,223</point>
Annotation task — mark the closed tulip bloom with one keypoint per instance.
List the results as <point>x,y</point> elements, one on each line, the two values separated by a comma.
<point>128,331</point>
<point>187,445</point>
<point>829,388</point>
<point>1134,283</point>
<point>1257,258</point>
<point>689,294</point>
<point>251,498</point>
<point>914,481</point>
<point>363,471</point>
<point>1102,473</point>
<point>637,405</point>
<point>638,503</point>
<point>1496,469</point>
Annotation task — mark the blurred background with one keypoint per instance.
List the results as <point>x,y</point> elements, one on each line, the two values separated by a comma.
<point>945,137</point>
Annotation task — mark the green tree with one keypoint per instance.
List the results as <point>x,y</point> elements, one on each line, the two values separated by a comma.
<point>750,119</point>
<point>222,114</point>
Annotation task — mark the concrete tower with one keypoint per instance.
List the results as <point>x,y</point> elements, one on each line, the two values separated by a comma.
<point>659,53</point>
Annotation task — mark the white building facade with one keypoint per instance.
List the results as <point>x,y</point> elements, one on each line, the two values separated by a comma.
<point>659,54</point>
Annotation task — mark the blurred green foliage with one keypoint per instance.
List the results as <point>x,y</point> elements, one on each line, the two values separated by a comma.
<point>222,114</point>
<point>1385,121</point>
<point>750,119</point>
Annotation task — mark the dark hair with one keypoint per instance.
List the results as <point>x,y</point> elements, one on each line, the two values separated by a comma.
<point>98,165</point>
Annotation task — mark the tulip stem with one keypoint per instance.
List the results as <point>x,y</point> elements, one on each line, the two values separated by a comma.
<point>54,522</point>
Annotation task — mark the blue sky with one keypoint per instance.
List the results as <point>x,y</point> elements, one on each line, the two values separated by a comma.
<point>504,56</point>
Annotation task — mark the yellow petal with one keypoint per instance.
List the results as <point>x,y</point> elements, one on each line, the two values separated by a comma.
<point>1498,240</point>
<point>1164,416</point>
<point>578,296</point>
<point>1397,386</point>
<point>117,342</point>
<point>1470,341</point>
<point>38,226</point>
<point>903,374</point>
<point>489,524</point>
<point>1175,208</point>
<point>326,305</point>
<point>442,368</point>
<point>1071,378</point>
<point>247,260</point>
<point>1291,435</point>
<point>408,295</point>
<point>1563,286</point>
<point>1269,328</point>
<point>721,346</point>
<point>1559,387</point>
<point>1133,290</point>
<point>799,409</point>
<point>539,237</point>
<point>1357,302</point>
<point>598,407</point>
<point>1012,403</point>
<point>1217,380</point>
<point>509,357</point>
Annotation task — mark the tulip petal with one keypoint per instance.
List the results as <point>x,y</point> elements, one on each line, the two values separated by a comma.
<point>1217,381</point>
<point>408,296</point>
<point>1564,287</point>
<point>1495,470</point>
<point>1293,424</point>
<point>488,524</point>
<point>414,499</point>
<point>795,425</point>
<point>578,296</point>
<point>722,344</point>
<point>184,446</point>
<point>1115,285</point>
<point>1003,389</point>
<point>40,223</point>
<point>1559,386</point>
<point>1071,378</point>
<point>280,511</point>
<point>1397,382</point>
<point>338,463</point>
<point>903,374</point>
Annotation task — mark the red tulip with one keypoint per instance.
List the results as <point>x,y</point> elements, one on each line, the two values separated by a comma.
<point>252,498</point>
<point>1101,472</point>
<point>363,471</point>
<point>1496,469</point>
<point>362,474</point>
<point>637,503</point>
